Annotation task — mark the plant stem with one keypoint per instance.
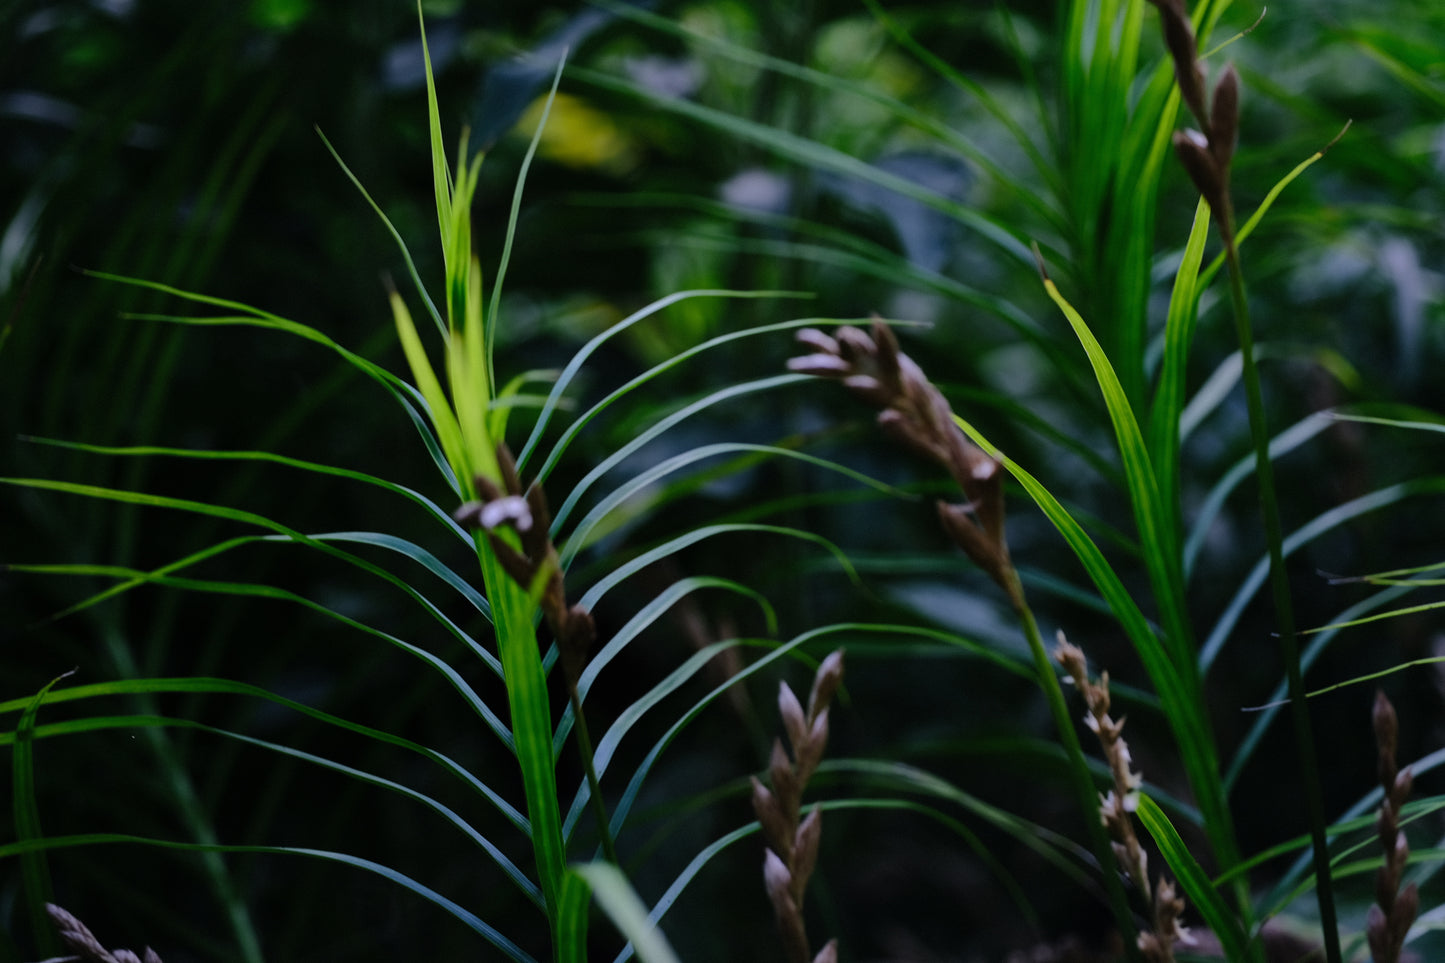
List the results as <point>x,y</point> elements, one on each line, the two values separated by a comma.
<point>1284,607</point>
<point>1079,767</point>
<point>584,748</point>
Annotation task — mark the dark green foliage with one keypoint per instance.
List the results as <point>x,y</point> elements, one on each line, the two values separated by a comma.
<point>284,671</point>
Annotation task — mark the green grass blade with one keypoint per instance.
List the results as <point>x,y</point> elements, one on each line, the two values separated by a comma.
<point>250,518</point>
<point>1165,427</point>
<point>564,380</point>
<point>619,901</point>
<point>494,311</point>
<point>105,723</point>
<point>139,451</point>
<point>449,432</point>
<point>572,904</point>
<point>1199,891</point>
<point>1316,647</point>
<point>643,438</point>
<point>441,175</point>
<point>629,717</point>
<point>396,235</point>
<point>34,867</point>
<point>531,713</point>
<point>1158,537</point>
<point>1306,533</point>
<point>674,361</point>
<point>254,590</point>
<point>1283,443</point>
<point>474,922</point>
<point>817,156</point>
<point>581,535</point>
<point>214,686</point>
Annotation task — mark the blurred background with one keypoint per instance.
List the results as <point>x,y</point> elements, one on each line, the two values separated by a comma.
<point>178,142</point>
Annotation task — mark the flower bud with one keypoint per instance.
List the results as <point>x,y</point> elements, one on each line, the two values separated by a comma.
<point>1224,118</point>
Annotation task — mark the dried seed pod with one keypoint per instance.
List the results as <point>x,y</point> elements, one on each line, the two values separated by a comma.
<point>1377,932</point>
<point>854,343</point>
<point>1387,727</point>
<point>819,364</point>
<point>1199,164</point>
<point>868,388</point>
<point>1179,38</point>
<point>794,722</point>
<point>825,682</point>
<point>777,829</point>
<point>810,751</point>
<point>817,340</point>
<point>785,782</point>
<point>1224,118</point>
<point>805,849</point>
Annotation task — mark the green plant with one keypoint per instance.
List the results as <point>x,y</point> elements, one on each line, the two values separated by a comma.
<point>461,421</point>
<point>1084,380</point>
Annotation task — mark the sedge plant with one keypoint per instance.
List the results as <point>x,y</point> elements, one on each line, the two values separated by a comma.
<point>1073,163</point>
<point>1086,178</point>
<point>461,413</point>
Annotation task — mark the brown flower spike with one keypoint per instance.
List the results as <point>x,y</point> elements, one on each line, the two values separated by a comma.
<point>1387,923</point>
<point>1205,153</point>
<point>84,947</point>
<point>791,838</point>
<point>914,412</point>
<point>536,565</point>
<point>1116,809</point>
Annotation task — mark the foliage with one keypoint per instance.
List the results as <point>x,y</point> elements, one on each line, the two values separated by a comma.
<point>293,663</point>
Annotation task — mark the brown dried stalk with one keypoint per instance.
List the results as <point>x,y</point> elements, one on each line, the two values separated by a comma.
<point>792,839</point>
<point>1117,806</point>
<point>1388,921</point>
<point>914,412</point>
<point>84,947</point>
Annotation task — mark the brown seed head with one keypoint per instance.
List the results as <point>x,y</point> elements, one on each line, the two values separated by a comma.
<point>825,682</point>
<point>1224,119</point>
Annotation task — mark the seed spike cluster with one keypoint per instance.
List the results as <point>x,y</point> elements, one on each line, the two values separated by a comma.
<point>84,947</point>
<point>792,839</point>
<point>1116,809</point>
<point>535,566</point>
<point>917,414</point>
<point>1205,153</point>
<point>1388,921</point>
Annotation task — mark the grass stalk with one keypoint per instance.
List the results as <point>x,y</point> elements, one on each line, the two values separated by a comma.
<point>584,749</point>
<point>1279,588</point>
<point>1080,774</point>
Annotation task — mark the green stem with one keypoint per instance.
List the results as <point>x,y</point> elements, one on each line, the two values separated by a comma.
<point>1083,779</point>
<point>1284,607</point>
<point>584,748</point>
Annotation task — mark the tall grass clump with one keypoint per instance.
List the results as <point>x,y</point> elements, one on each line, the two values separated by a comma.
<point>1085,176</point>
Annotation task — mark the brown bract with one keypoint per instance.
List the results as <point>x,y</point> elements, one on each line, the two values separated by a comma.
<point>83,945</point>
<point>792,839</point>
<point>1388,921</point>
<point>1205,156</point>
<point>916,413</point>
<point>1117,807</point>
<point>532,560</point>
